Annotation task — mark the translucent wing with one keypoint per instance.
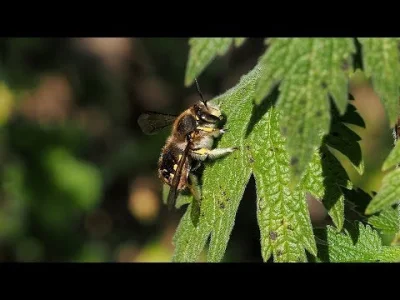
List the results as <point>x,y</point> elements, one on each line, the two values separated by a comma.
<point>152,122</point>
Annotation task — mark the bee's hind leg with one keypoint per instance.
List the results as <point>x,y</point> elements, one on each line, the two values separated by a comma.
<point>196,166</point>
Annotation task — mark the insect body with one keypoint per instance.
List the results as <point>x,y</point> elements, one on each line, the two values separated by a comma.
<point>190,143</point>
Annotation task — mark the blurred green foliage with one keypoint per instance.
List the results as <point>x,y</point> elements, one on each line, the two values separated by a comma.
<point>49,177</point>
<point>56,174</point>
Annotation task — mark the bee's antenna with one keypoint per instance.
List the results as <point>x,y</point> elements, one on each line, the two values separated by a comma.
<point>201,95</point>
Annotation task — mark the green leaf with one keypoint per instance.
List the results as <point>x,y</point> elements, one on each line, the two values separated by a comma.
<point>326,176</point>
<point>14,199</point>
<point>78,179</point>
<point>239,41</point>
<point>381,63</point>
<point>396,239</point>
<point>358,243</point>
<point>344,139</point>
<point>310,71</point>
<point>388,221</point>
<point>223,187</point>
<point>324,180</point>
<point>393,158</point>
<point>203,51</point>
<point>6,104</point>
<point>388,194</point>
<point>282,213</point>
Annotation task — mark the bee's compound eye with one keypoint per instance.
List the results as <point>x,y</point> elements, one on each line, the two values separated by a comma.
<point>208,118</point>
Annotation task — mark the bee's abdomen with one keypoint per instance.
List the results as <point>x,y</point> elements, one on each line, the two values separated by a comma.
<point>166,166</point>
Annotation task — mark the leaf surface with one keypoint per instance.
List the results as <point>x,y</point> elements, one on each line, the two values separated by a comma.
<point>308,71</point>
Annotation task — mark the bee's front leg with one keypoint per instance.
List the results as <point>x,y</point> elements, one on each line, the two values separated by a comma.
<point>214,132</point>
<point>204,153</point>
<point>196,166</point>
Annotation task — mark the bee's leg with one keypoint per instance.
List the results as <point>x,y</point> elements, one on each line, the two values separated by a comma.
<point>204,153</point>
<point>196,166</point>
<point>215,132</point>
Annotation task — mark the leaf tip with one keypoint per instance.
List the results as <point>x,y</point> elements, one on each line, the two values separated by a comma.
<point>386,165</point>
<point>258,99</point>
<point>371,209</point>
<point>188,80</point>
<point>358,77</point>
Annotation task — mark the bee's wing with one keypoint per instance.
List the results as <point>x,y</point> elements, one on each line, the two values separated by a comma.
<point>177,176</point>
<point>152,122</point>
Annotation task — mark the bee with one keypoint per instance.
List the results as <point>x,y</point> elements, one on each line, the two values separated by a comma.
<point>188,146</point>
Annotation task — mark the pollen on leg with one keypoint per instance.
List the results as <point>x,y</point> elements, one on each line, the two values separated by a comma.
<point>206,129</point>
<point>219,152</point>
<point>202,151</point>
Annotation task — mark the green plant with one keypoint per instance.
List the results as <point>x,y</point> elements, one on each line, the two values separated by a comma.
<point>288,117</point>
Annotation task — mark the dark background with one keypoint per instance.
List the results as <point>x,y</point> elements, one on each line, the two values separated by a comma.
<point>78,178</point>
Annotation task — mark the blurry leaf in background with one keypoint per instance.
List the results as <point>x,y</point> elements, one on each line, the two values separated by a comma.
<point>162,57</point>
<point>144,202</point>
<point>12,201</point>
<point>160,248</point>
<point>132,155</point>
<point>396,240</point>
<point>24,60</point>
<point>203,51</point>
<point>154,252</point>
<point>376,138</point>
<point>6,102</point>
<point>57,186</point>
<point>389,192</point>
<point>72,131</point>
<point>93,251</point>
<point>157,249</point>
<point>381,63</point>
<point>29,249</point>
<point>80,180</point>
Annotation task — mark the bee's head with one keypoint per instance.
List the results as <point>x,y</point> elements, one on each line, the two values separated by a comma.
<point>207,112</point>
<point>204,111</point>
